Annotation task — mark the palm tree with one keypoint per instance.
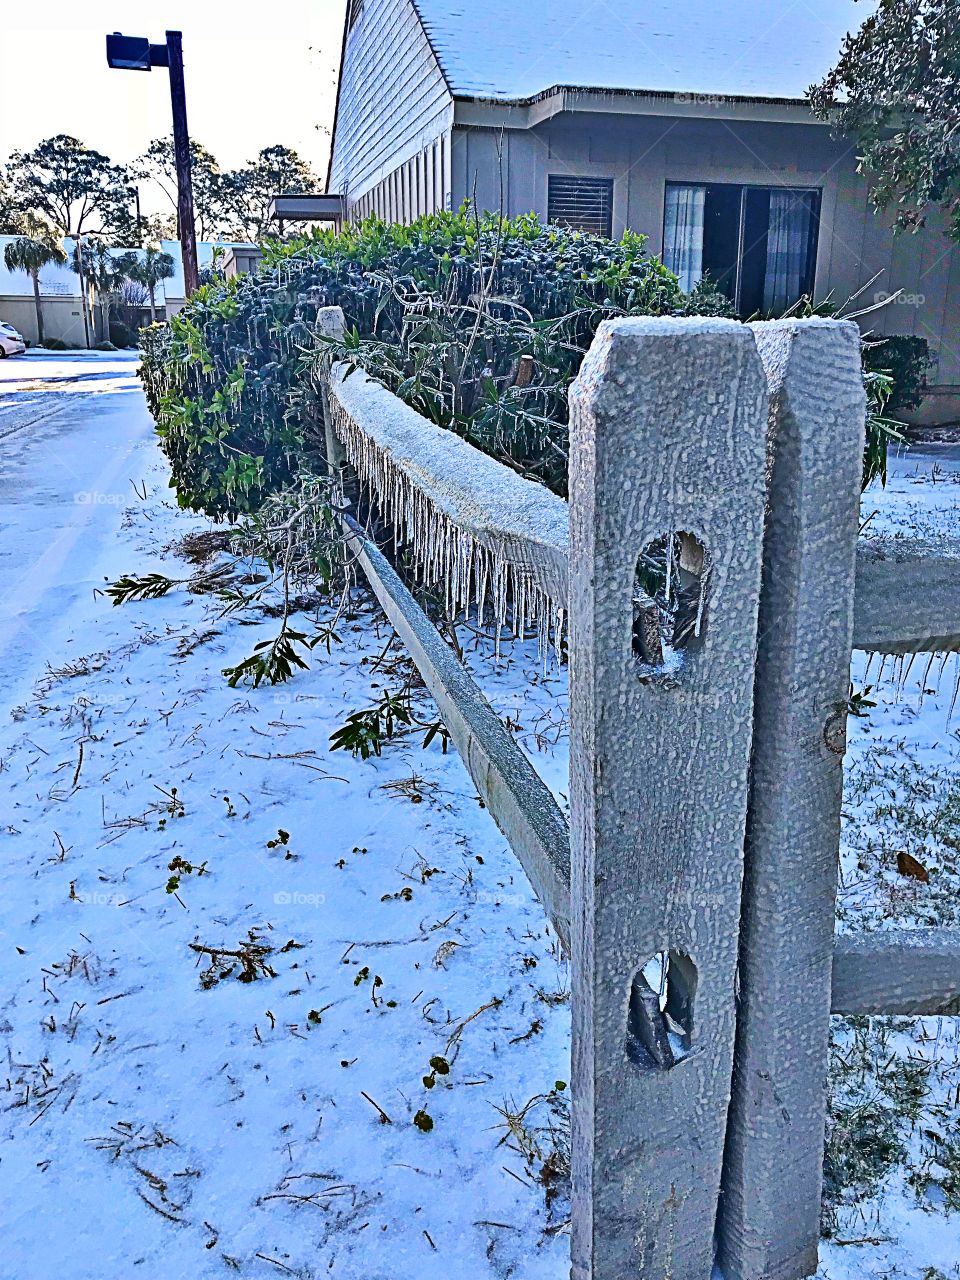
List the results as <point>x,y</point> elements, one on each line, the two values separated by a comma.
<point>151,269</point>
<point>30,254</point>
<point>104,273</point>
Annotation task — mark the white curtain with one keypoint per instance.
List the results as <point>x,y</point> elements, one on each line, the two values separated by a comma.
<point>683,233</point>
<point>788,238</point>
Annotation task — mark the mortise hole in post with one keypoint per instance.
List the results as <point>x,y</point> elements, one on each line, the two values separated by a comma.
<point>660,1016</point>
<point>669,605</point>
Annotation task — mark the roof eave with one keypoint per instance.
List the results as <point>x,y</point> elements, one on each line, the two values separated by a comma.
<point>336,105</point>
<point>527,112</point>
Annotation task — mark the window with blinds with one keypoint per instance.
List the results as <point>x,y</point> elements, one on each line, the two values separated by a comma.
<point>585,204</point>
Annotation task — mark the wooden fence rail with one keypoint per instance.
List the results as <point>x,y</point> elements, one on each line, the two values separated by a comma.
<point>696,884</point>
<point>907,597</point>
<point>519,801</point>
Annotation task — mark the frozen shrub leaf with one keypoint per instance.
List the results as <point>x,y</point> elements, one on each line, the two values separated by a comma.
<point>910,866</point>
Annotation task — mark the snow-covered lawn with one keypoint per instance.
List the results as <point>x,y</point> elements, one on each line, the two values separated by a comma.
<point>269,1009</point>
<point>161,1114</point>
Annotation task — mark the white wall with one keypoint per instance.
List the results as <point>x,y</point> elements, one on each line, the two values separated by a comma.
<point>55,281</point>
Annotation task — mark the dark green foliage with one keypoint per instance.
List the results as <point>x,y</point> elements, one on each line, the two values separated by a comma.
<point>181,867</point>
<point>442,310</point>
<point>272,661</point>
<point>130,587</point>
<point>479,323</point>
<point>881,430</point>
<point>121,335</point>
<point>896,90</point>
<point>883,360</point>
<point>72,187</point>
<point>906,360</point>
<point>151,586</point>
<point>365,731</point>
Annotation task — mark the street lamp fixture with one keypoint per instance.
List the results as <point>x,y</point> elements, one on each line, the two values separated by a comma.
<point>136,53</point>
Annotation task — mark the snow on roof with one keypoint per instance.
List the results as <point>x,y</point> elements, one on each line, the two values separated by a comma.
<point>736,48</point>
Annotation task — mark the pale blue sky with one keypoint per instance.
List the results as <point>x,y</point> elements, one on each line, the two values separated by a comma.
<point>256,73</point>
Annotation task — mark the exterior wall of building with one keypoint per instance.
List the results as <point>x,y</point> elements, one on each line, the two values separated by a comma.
<point>62,318</point>
<point>393,105</point>
<point>420,185</point>
<point>643,153</point>
<point>60,293</point>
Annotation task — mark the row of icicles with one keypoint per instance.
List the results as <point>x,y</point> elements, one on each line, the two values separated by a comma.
<point>472,575</point>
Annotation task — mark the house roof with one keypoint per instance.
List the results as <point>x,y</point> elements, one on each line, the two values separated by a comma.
<point>761,49</point>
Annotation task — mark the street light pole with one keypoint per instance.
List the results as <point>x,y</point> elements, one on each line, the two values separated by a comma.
<point>181,150</point>
<point>136,53</point>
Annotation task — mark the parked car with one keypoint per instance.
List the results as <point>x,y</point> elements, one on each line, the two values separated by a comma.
<point>11,341</point>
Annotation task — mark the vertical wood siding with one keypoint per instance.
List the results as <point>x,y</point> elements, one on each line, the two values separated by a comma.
<point>420,185</point>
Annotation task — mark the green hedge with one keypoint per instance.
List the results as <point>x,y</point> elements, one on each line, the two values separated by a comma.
<point>907,361</point>
<point>478,322</point>
<point>442,309</point>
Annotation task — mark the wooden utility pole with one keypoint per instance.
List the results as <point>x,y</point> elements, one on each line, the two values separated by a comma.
<point>181,149</point>
<point>84,299</point>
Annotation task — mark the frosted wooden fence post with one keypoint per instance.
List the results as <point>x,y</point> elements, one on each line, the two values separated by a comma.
<point>668,428</point>
<point>770,1210</point>
<point>331,324</point>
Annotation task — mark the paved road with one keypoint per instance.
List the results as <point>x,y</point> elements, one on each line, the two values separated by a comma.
<point>74,437</point>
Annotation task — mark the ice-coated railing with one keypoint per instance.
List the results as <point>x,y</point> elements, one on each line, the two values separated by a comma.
<point>497,542</point>
<point>492,540</point>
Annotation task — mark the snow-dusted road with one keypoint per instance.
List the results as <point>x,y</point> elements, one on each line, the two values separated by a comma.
<point>74,437</point>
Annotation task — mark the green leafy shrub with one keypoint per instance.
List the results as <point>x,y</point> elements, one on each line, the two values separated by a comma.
<point>444,310</point>
<point>121,335</point>
<point>906,360</point>
<point>104,346</point>
<point>480,323</point>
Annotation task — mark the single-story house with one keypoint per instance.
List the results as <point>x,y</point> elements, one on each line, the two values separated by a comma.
<point>60,293</point>
<point>686,120</point>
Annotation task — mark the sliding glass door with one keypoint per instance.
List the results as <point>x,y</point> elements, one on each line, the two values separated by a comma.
<point>757,244</point>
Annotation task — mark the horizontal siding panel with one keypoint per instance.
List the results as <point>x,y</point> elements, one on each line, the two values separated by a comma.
<point>393,98</point>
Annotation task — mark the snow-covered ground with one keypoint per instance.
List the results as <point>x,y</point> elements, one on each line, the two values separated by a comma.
<point>332,1098</point>
<point>157,1122</point>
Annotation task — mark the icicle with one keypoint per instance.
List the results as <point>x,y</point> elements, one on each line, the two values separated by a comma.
<point>471,574</point>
